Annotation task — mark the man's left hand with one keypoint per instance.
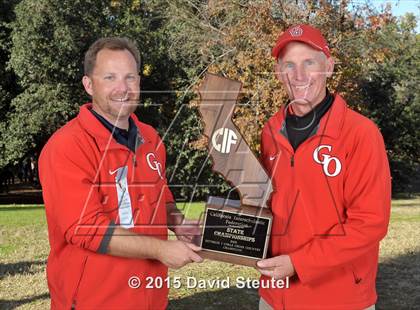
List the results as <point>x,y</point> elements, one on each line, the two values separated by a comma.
<point>278,267</point>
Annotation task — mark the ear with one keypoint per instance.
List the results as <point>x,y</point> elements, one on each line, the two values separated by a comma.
<point>87,84</point>
<point>277,73</point>
<point>330,67</point>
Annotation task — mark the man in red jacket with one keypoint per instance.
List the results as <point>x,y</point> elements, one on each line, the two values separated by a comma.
<point>107,201</point>
<point>332,187</point>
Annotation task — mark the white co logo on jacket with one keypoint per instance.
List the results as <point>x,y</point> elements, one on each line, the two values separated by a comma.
<point>154,164</point>
<point>326,160</point>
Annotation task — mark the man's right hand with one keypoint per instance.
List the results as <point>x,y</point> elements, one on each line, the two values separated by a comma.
<point>173,253</point>
<point>176,254</point>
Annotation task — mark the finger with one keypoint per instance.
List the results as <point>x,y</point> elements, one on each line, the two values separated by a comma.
<point>195,231</point>
<point>190,222</point>
<point>196,240</point>
<point>195,257</point>
<point>193,247</point>
<point>190,225</point>
<point>184,238</point>
<point>188,239</point>
<point>266,272</point>
<point>191,231</point>
<point>268,263</point>
<point>268,268</point>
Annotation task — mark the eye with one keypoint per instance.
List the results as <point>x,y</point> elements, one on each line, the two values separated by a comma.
<point>309,62</point>
<point>131,78</point>
<point>109,77</point>
<point>288,66</point>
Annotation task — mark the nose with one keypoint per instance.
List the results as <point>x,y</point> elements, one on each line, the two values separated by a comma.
<point>301,74</point>
<point>121,86</point>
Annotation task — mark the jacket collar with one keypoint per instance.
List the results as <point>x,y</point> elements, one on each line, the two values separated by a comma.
<point>330,124</point>
<point>97,130</point>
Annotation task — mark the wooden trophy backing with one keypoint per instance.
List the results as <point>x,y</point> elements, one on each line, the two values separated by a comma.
<point>233,159</point>
<point>232,156</point>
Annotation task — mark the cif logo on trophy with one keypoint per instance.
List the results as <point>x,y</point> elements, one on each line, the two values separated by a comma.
<point>233,231</point>
<point>229,138</point>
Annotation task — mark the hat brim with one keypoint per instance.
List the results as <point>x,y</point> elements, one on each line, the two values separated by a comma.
<point>277,49</point>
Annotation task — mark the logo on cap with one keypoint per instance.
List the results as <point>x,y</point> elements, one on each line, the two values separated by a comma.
<point>296,31</point>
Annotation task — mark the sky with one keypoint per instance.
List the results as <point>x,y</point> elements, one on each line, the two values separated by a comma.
<point>400,7</point>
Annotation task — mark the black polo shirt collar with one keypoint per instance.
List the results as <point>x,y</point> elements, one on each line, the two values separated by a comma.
<point>130,138</point>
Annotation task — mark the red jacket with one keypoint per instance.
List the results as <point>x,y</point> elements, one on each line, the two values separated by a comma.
<point>331,205</point>
<point>84,173</point>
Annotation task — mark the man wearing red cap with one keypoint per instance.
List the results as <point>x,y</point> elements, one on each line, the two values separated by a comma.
<point>332,189</point>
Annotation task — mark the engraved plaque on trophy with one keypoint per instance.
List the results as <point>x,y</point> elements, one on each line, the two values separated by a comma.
<point>233,231</point>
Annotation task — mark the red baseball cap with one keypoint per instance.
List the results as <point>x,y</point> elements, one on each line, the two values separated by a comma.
<point>303,33</point>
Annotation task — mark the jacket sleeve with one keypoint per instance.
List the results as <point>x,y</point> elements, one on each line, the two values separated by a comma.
<point>169,198</point>
<point>168,195</point>
<point>72,200</point>
<point>266,135</point>
<point>367,200</point>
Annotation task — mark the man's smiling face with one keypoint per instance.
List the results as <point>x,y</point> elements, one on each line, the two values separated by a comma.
<point>114,84</point>
<point>303,70</point>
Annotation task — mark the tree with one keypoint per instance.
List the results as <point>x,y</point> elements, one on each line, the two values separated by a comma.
<point>390,89</point>
<point>234,39</point>
<point>49,39</point>
<point>8,84</point>
<point>44,41</point>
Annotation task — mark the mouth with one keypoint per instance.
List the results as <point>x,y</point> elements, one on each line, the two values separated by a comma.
<point>301,87</point>
<point>121,99</point>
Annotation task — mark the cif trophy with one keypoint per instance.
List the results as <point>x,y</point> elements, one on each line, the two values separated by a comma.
<point>233,231</point>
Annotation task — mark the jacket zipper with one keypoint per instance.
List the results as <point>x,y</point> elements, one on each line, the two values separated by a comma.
<point>285,241</point>
<point>73,305</point>
<point>135,150</point>
<point>292,158</point>
<point>134,160</point>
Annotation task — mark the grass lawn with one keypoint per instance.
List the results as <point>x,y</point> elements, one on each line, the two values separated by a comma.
<point>24,250</point>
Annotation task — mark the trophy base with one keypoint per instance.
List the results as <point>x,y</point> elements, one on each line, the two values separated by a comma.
<point>233,233</point>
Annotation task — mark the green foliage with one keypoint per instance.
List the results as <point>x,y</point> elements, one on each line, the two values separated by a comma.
<point>188,167</point>
<point>42,45</point>
<point>234,39</point>
<point>49,40</point>
<point>37,113</point>
<point>8,84</point>
<point>392,97</point>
